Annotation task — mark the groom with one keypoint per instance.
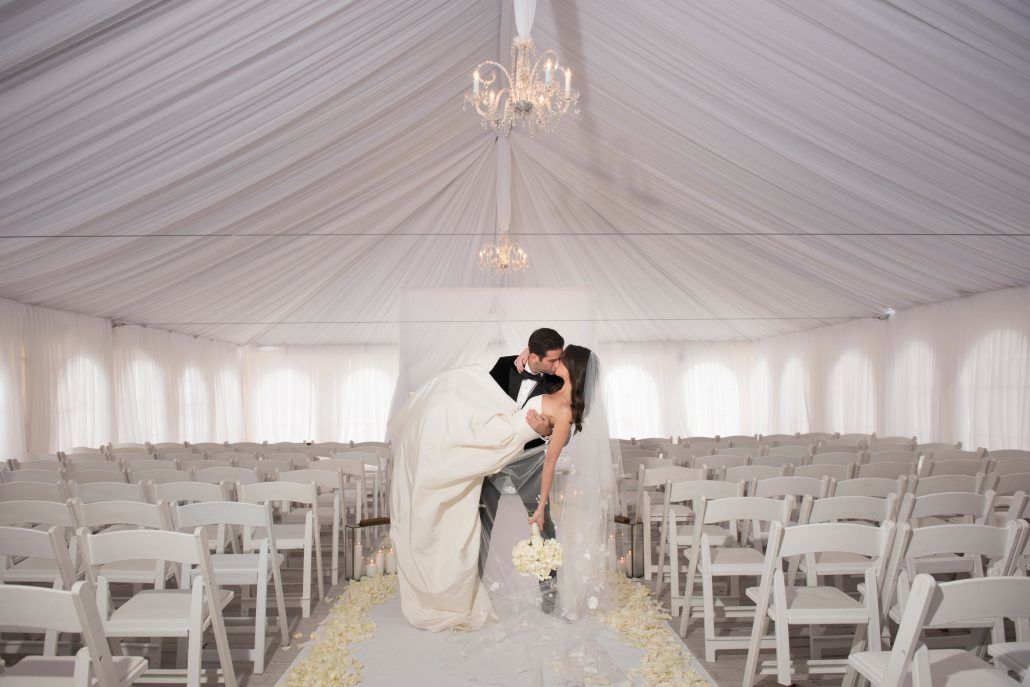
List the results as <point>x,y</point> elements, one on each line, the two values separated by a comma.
<point>545,351</point>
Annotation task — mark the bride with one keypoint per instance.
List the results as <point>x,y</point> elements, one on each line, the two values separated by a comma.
<point>457,429</point>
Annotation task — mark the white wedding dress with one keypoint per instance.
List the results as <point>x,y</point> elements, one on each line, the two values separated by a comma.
<point>457,429</point>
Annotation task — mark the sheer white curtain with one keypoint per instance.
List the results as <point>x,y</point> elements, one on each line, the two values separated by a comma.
<point>173,387</point>
<point>12,379</point>
<point>68,380</point>
<point>955,371</point>
<point>318,393</point>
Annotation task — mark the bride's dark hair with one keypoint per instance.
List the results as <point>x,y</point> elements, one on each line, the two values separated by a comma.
<point>577,360</point>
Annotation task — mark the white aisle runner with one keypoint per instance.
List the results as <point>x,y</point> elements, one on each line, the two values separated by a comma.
<point>399,655</point>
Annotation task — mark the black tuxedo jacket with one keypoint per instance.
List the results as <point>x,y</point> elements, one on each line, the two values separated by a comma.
<point>509,379</point>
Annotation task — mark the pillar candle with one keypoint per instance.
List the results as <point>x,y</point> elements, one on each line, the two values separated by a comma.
<point>391,562</point>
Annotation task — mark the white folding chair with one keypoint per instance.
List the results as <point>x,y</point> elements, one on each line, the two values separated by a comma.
<point>121,515</point>
<point>244,569</point>
<point>726,560</point>
<point>909,442</point>
<point>650,503</point>
<point>837,458</point>
<point>266,469</point>
<point>183,613</point>
<point>891,455</point>
<point>672,539</point>
<point>803,454</point>
<point>34,491</point>
<point>160,476</point>
<point>1009,466</point>
<point>930,467</point>
<point>939,484</point>
<point>330,484</point>
<point>944,605</point>
<point>833,472</point>
<point>292,537</point>
<point>355,490</point>
<point>89,476</point>
<point>813,604</point>
<point>785,462</point>
<point>32,475</point>
<point>748,473</point>
<point>716,465</point>
<point>74,611</point>
<point>742,451</point>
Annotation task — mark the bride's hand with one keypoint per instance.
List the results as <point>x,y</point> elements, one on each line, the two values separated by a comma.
<point>521,360</point>
<point>538,518</point>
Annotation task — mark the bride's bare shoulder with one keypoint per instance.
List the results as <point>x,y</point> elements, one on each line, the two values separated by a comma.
<point>558,407</point>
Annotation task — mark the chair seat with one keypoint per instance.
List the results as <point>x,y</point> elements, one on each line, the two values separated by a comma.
<point>728,561</point>
<point>1013,655</point>
<point>158,613</point>
<point>948,668</point>
<point>817,606</point>
<point>56,671</point>
<point>839,563</point>
<point>238,568</point>
<point>945,564</point>
<point>679,511</point>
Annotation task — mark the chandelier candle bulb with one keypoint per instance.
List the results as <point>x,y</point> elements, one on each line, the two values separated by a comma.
<point>475,83</point>
<point>547,72</point>
<point>568,81</point>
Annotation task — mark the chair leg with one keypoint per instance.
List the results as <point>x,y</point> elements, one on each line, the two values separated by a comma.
<point>305,593</point>
<point>195,645</point>
<point>260,622</point>
<point>783,672</point>
<point>709,606</point>
<point>758,629</point>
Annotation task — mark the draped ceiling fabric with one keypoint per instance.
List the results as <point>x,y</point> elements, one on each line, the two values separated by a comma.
<point>275,172</point>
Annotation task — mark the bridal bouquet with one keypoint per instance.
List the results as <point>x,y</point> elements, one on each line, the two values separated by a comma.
<point>537,556</point>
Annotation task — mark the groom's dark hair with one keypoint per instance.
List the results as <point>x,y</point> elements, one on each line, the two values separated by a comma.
<point>543,340</point>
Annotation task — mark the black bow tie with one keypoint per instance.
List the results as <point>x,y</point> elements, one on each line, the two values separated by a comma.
<point>526,374</point>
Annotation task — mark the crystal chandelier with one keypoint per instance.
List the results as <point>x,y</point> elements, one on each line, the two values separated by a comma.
<point>503,257</point>
<point>531,94</point>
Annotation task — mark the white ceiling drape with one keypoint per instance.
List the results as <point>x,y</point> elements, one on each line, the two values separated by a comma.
<point>275,173</point>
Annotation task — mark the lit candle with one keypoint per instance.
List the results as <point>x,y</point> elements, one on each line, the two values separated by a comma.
<point>380,560</point>
<point>568,81</point>
<point>475,83</point>
<point>358,561</point>
<point>391,562</point>
<point>622,565</point>
<point>372,570</point>
<point>547,72</point>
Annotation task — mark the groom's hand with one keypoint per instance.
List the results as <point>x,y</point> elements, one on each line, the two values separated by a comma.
<point>539,423</point>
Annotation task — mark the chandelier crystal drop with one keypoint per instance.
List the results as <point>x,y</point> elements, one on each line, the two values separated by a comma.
<point>503,257</point>
<point>535,93</point>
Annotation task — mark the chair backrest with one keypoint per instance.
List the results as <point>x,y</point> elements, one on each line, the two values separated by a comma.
<point>181,456</point>
<point>711,511</point>
<point>748,473</point>
<point>930,468</point>
<point>92,492</point>
<point>349,467</point>
<point>179,492</point>
<point>891,455</point>
<point>297,458</point>
<point>947,483</point>
<point>997,544</point>
<point>744,451</point>
<point>266,469</point>
<point>323,479</point>
<point>87,476</point>
<point>836,508</point>
<point>679,492</point>
<point>871,486</point>
<point>653,477</point>
<point>932,604</point>
<point>887,470</point>
<point>836,458</point>
<point>777,461</point>
<point>65,611</point>
<point>956,454</point>
<point>83,451</point>
<point>835,537</point>
<point>246,447</point>
<point>115,546</point>
<point>92,466</point>
<point>246,515</point>
<point>30,512</point>
<point>160,476</point>
<point>1005,485</point>
<point>131,457</point>
<point>721,462</point>
<point>50,545</point>
<point>224,474</point>
<point>631,466</point>
<point>373,458</point>
<point>1009,454</point>
<point>33,491</point>
<point>167,446</point>
<point>208,447</point>
<point>698,440</point>
<point>791,451</point>
<point>699,448</point>
<point>200,462</point>
<point>1009,466</point>
<point>738,437</point>
<point>797,487</point>
<point>32,475</point>
<point>263,492</point>
<point>834,472</point>
<point>847,445</point>
<point>774,438</point>
<point>895,441</point>
<point>233,457</point>
<point>946,504</point>
<point>936,446</point>
<point>51,464</point>
<point>134,513</point>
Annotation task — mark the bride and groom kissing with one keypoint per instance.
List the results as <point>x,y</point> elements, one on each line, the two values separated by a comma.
<point>463,426</point>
